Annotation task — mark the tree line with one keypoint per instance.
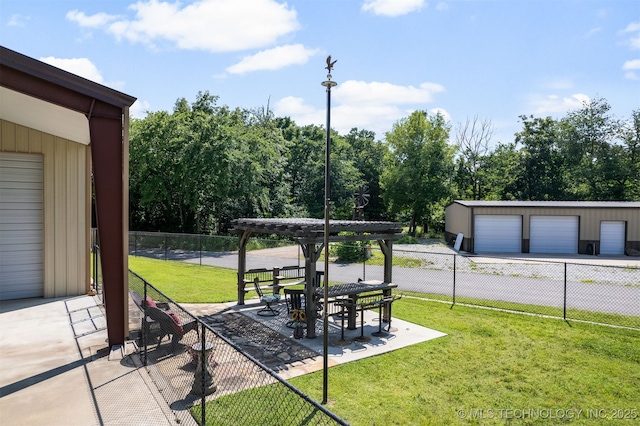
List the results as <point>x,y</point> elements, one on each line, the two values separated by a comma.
<point>197,168</point>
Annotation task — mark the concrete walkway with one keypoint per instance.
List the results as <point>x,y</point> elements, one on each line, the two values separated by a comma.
<point>57,369</point>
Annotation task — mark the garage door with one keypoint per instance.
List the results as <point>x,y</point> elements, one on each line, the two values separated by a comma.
<point>21,226</point>
<point>553,234</point>
<point>612,237</point>
<point>497,233</point>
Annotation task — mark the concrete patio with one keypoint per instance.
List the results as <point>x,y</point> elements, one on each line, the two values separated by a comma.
<point>57,368</point>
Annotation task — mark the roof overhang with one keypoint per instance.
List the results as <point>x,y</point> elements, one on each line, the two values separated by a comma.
<point>47,98</point>
<point>43,116</point>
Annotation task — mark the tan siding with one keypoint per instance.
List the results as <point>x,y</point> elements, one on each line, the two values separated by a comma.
<point>60,212</point>
<point>67,211</point>
<point>7,136</point>
<point>457,219</point>
<point>48,145</point>
<point>22,139</point>
<point>35,141</point>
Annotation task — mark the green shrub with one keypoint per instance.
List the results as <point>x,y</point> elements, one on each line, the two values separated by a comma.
<point>407,239</point>
<point>351,251</point>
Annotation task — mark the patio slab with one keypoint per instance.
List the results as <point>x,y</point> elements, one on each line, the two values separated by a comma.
<point>295,361</point>
<point>57,368</point>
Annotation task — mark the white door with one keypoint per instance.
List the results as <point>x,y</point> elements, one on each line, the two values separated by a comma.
<point>21,226</point>
<point>612,237</point>
<point>497,233</point>
<point>553,234</point>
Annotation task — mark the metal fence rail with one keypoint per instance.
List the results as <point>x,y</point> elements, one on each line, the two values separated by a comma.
<point>206,379</point>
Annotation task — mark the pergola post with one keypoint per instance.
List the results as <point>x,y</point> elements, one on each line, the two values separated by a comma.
<point>242,264</point>
<point>387,249</point>
<point>311,254</point>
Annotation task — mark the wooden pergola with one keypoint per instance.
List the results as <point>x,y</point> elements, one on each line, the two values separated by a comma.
<point>309,234</point>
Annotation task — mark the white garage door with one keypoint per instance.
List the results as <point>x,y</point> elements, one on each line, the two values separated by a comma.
<point>21,226</point>
<point>553,234</point>
<point>497,233</point>
<point>612,237</point>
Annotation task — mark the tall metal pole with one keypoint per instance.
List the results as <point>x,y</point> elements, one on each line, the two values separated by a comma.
<point>327,196</point>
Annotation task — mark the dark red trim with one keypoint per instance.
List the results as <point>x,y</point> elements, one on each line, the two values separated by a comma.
<point>104,107</point>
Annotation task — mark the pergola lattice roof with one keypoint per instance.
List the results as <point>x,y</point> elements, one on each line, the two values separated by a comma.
<point>313,229</point>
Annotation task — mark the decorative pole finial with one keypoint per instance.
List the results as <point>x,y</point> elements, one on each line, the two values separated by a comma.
<point>329,66</point>
<point>329,84</point>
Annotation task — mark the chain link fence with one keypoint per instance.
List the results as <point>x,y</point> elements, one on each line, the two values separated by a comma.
<point>203,376</point>
<point>166,246</point>
<point>605,294</point>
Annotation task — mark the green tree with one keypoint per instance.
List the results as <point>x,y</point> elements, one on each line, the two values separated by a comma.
<point>630,135</point>
<point>587,147</point>
<point>203,165</point>
<point>472,139</point>
<point>305,169</point>
<point>541,173</point>
<point>418,167</point>
<point>501,173</point>
<point>368,157</point>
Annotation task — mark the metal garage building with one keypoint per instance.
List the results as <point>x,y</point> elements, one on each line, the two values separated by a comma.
<point>56,131</point>
<point>568,227</point>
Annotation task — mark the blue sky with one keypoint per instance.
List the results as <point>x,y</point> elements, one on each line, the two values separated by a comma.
<point>494,59</point>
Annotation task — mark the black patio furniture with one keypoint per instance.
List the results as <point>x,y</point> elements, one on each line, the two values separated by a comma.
<point>267,299</point>
<point>386,302</point>
<point>295,303</point>
<point>355,291</point>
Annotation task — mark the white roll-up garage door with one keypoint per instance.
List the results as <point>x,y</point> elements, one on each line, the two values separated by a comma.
<point>553,234</point>
<point>497,233</point>
<point>21,226</point>
<point>612,237</point>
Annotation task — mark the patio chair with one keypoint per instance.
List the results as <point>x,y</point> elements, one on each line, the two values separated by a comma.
<point>171,325</point>
<point>268,300</point>
<point>295,302</point>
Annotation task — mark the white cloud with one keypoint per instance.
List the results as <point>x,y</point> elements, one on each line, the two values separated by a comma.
<point>211,25</point>
<point>443,112</point>
<point>373,106</point>
<point>634,40</point>
<point>592,31</point>
<point>274,59</point>
<point>630,67</point>
<point>139,109</point>
<point>79,66</point>
<point>360,92</point>
<point>94,21</point>
<point>392,7</point>
<point>442,6</point>
<point>554,104</point>
<point>17,20</point>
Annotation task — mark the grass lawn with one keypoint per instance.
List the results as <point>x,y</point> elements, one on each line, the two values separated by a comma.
<point>489,361</point>
<point>188,283</point>
<point>498,362</point>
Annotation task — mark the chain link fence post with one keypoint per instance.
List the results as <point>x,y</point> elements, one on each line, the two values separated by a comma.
<point>454,279</point>
<point>564,314</point>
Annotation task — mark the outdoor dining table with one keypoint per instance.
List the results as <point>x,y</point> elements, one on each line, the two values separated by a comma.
<point>354,291</point>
